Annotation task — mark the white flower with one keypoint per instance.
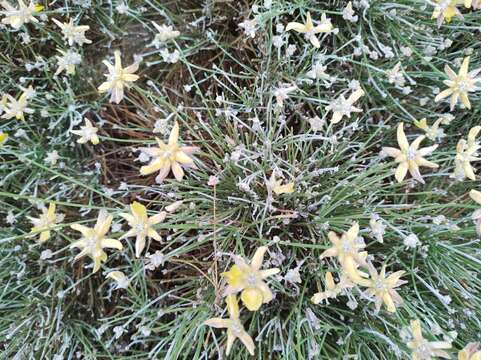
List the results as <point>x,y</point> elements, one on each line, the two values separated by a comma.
<point>122,281</point>
<point>316,123</point>
<point>52,157</point>
<point>87,133</point>
<point>17,17</point>
<point>318,71</point>
<point>72,33</point>
<point>165,33</point>
<point>170,57</point>
<point>68,61</point>
<point>16,108</point>
<point>411,241</point>
<point>249,27</point>
<point>118,78</point>
<point>395,76</point>
<point>282,93</point>
<point>348,13</point>
<point>344,107</point>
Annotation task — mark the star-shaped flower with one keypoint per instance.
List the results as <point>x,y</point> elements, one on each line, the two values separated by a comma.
<point>332,289</point>
<point>16,108</point>
<point>470,352</point>
<point>47,220</point>
<point>168,156</point>
<point>274,185</point>
<point>249,280</point>
<point>423,349</point>
<point>344,107</point>
<point>234,327</point>
<point>435,131</point>
<point>122,281</point>
<point>347,249</point>
<point>142,225</point>
<point>382,288</point>
<point>93,240</point>
<point>309,30</point>
<point>17,17</point>
<point>87,133</point>
<point>68,61</point>
<point>165,33</point>
<point>72,33</point>
<point>459,85</point>
<point>118,78</point>
<point>467,151</point>
<point>409,157</point>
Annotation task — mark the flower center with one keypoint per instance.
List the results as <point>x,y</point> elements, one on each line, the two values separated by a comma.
<point>251,280</point>
<point>411,153</point>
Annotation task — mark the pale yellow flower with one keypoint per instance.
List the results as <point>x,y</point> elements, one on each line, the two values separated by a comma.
<point>122,281</point>
<point>382,288</point>
<point>93,240</point>
<point>341,106</point>
<point>459,85</point>
<point>409,157</point>
<point>467,151</point>
<point>470,352</point>
<point>3,137</point>
<point>72,33</point>
<point>476,196</point>
<point>68,61</point>
<point>44,224</point>
<point>118,78</point>
<point>446,10</point>
<point>168,156</point>
<point>142,225</point>
<point>234,327</point>
<point>347,249</point>
<point>87,133</point>
<point>423,349</point>
<point>249,280</point>
<point>332,289</point>
<point>16,17</point>
<point>16,108</point>
<point>274,185</point>
<point>309,30</point>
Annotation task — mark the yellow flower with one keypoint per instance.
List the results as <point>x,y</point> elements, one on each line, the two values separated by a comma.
<point>446,10</point>
<point>309,30</point>
<point>423,349</point>
<point>3,137</point>
<point>118,78</point>
<point>332,289</point>
<point>234,327</point>
<point>142,225</point>
<point>382,288</point>
<point>466,151</point>
<point>275,186</point>
<point>347,250</point>
<point>45,222</point>
<point>168,156</point>
<point>122,281</point>
<point>17,17</point>
<point>93,240</point>
<point>87,133</point>
<point>16,108</point>
<point>459,85</point>
<point>341,106</point>
<point>476,196</point>
<point>249,279</point>
<point>470,352</point>
<point>72,33</point>
<point>409,157</point>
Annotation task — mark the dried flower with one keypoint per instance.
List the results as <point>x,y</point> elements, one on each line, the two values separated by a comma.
<point>118,78</point>
<point>409,157</point>
<point>249,279</point>
<point>275,186</point>
<point>234,327</point>
<point>433,132</point>
<point>309,30</point>
<point>168,156</point>
<point>423,349</point>
<point>459,85</point>
<point>332,289</point>
<point>93,240</point>
<point>142,225</point>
